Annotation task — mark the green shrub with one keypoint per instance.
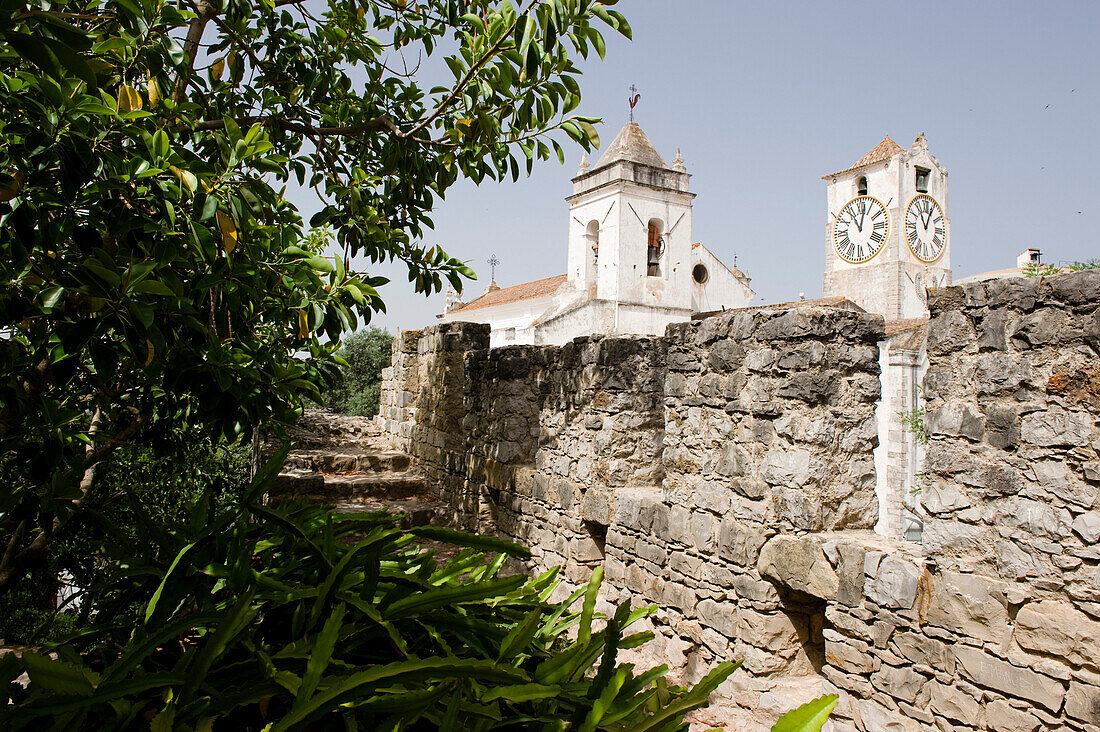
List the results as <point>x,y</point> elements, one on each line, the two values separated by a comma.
<point>302,619</point>
<point>142,489</point>
<point>366,352</point>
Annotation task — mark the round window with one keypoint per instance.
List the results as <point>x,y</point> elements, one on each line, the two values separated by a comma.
<point>699,274</point>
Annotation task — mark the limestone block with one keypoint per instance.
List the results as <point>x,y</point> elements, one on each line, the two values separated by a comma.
<point>949,332</point>
<point>597,505</point>
<point>941,496</point>
<point>1055,427</point>
<point>876,718</point>
<point>894,584</point>
<point>956,419</point>
<point>1055,477</point>
<point>1083,702</point>
<point>1003,717</point>
<point>792,508</point>
<point>1087,526</point>
<point>1044,327</point>
<point>739,543</point>
<point>1038,518</point>
<point>998,373</point>
<point>993,673</point>
<point>713,495</point>
<point>850,574</point>
<point>770,631</point>
<point>787,467</point>
<point>1058,629</point>
<point>900,683</point>
<point>799,563</point>
<point>970,605</point>
<point>721,616</point>
<point>921,649</point>
<point>953,703</point>
<point>847,654</point>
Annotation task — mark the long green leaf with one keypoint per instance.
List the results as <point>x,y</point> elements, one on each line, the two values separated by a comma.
<point>320,657</point>
<point>809,717</point>
<point>445,596</point>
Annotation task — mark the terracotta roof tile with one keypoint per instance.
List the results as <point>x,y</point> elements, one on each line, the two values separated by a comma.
<point>880,152</point>
<point>526,291</point>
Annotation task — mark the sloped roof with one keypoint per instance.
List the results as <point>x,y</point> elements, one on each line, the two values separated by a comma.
<point>880,152</point>
<point>631,144</point>
<point>515,293</point>
<point>907,334</point>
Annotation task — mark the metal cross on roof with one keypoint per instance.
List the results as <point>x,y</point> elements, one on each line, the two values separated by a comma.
<point>493,262</point>
<point>633,99</point>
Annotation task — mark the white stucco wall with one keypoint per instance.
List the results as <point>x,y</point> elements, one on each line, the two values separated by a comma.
<point>722,288</point>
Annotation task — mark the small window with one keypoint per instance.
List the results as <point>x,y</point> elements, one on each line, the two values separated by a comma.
<point>699,274</point>
<point>922,180</point>
<point>509,334</point>
<point>861,186</point>
<point>654,249</point>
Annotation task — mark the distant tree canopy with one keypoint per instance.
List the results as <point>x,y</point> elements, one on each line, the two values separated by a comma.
<point>367,352</point>
<point>155,272</point>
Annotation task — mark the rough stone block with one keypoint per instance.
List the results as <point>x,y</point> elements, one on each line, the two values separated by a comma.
<point>1083,702</point>
<point>951,702</point>
<point>894,584</point>
<point>1056,427</point>
<point>799,563</point>
<point>900,683</point>
<point>739,543</point>
<point>970,605</point>
<point>993,673</point>
<point>1056,628</point>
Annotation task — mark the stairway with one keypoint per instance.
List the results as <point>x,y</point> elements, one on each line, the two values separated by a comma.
<point>346,462</point>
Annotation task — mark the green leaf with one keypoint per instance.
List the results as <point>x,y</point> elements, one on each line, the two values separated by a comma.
<point>590,593</point>
<point>153,287</point>
<point>161,144</point>
<point>320,657</point>
<point>476,541</point>
<point>321,264</point>
<point>809,717</point>
<point>57,676</point>
<point>152,606</point>
<point>522,692</point>
<point>446,596</point>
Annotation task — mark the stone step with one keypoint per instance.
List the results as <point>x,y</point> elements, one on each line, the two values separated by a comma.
<point>348,486</point>
<point>348,461</point>
<point>414,511</point>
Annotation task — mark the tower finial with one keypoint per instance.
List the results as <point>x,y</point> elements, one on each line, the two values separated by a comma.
<point>678,162</point>
<point>584,164</point>
<point>493,262</point>
<point>633,100</point>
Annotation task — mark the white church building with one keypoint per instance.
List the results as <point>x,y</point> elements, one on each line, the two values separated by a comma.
<point>633,266</point>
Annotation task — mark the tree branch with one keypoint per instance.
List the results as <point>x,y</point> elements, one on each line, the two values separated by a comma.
<point>204,11</point>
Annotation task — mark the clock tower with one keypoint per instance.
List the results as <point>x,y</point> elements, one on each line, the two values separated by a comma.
<point>888,232</point>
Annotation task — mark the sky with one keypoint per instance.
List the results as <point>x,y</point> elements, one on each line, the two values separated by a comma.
<point>765,98</point>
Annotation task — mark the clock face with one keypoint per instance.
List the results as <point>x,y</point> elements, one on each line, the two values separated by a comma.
<point>925,228</point>
<point>860,229</point>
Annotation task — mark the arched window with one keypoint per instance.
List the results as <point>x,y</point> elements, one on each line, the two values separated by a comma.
<point>655,248</point>
<point>592,249</point>
<point>861,186</point>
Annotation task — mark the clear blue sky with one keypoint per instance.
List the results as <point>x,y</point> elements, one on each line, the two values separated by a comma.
<point>765,98</point>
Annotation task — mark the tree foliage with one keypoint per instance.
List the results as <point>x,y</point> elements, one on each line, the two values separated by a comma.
<point>155,272</point>
<point>366,352</point>
<point>296,618</point>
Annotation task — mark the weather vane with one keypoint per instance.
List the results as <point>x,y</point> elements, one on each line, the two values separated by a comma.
<point>493,262</point>
<point>633,99</point>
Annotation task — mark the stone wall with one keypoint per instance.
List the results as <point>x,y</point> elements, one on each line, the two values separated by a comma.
<point>725,473</point>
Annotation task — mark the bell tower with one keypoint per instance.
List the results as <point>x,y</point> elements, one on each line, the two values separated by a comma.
<point>888,231</point>
<point>630,228</point>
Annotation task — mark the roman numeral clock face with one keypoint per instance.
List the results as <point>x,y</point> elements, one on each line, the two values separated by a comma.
<point>860,229</point>
<point>925,228</point>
